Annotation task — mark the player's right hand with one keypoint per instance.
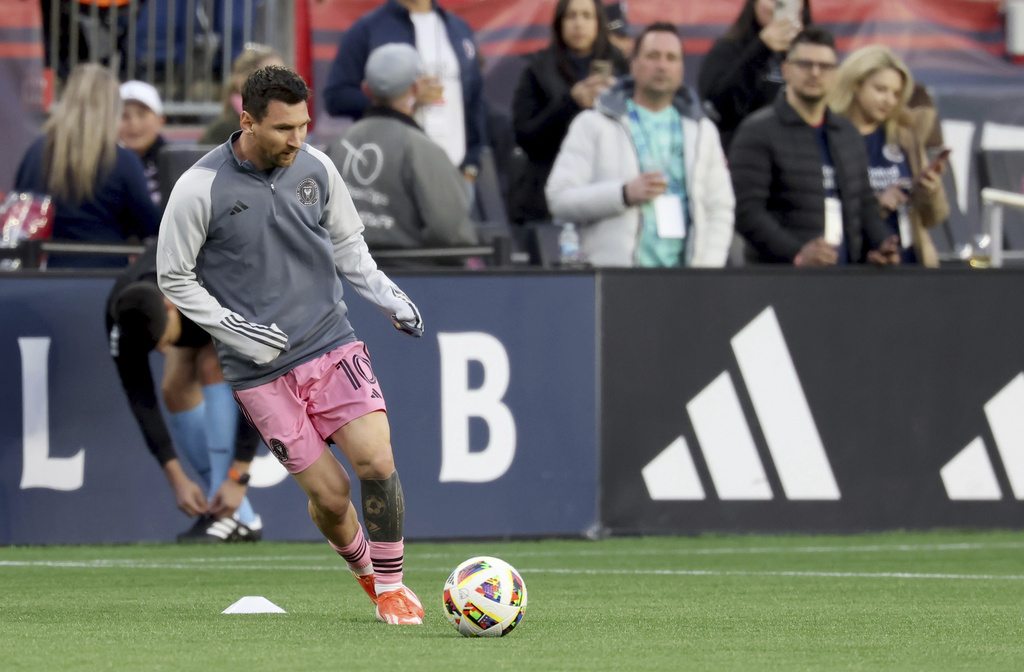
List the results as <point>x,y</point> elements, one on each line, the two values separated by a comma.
<point>190,498</point>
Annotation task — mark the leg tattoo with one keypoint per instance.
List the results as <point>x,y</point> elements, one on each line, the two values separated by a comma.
<point>383,508</point>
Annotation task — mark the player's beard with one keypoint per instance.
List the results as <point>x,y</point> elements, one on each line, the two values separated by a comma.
<point>285,159</point>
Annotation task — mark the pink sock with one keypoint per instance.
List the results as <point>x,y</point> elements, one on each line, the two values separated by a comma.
<point>356,554</point>
<point>387,564</point>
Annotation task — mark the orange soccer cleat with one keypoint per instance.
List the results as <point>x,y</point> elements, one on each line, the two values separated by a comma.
<point>399,607</point>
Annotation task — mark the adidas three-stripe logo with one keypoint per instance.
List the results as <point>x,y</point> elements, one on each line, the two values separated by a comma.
<point>970,474</point>
<point>269,336</point>
<point>725,439</point>
<point>239,207</point>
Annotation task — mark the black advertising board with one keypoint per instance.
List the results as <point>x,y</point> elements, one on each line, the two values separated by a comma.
<point>841,400</point>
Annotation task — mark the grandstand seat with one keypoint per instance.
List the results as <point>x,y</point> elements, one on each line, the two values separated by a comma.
<point>174,160</point>
<point>488,210</point>
<point>1003,169</point>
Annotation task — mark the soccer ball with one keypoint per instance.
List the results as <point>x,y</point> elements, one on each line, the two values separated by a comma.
<point>484,597</point>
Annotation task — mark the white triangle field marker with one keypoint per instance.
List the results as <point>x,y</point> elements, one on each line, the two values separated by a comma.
<point>254,604</point>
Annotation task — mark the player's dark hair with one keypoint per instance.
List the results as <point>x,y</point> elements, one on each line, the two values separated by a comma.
<point>813,35</point>
<point>141,316</point>
<point>656,27</point>
<point>272,82</point>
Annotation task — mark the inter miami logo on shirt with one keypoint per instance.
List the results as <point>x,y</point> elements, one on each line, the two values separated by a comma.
<point>308,192</point>
<point>279,450</point>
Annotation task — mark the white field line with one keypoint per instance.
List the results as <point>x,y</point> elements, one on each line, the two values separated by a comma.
<point>282,562</point>
<point>411,553</point>
<point>137,564</point>
<point>781,550</point>
<point>901,548</point>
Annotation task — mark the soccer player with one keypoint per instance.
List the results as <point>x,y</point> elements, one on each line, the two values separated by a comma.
<point>254,241</point>
<point>202,413</point>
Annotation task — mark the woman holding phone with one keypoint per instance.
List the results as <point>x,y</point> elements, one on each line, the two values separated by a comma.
<point>743,71</point>
<point>558,83</point>
<point>872,90</point>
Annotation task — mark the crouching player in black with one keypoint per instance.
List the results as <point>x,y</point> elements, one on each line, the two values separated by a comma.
<point>202,414</point>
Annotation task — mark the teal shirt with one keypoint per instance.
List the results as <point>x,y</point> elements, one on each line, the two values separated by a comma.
<point>658,138</point>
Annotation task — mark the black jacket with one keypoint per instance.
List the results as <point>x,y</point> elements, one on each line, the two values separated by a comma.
<point>542,110</point>
<point>737,79</point>
<point>137,379</point>
<point>776,173</point>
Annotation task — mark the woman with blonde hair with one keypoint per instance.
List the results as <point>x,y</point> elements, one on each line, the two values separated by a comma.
<point>872,90</point>
<point>99,187</point>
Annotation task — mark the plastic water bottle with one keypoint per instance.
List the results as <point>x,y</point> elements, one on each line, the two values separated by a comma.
<point>569,246</point>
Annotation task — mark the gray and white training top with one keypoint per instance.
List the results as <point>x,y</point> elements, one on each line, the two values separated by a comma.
<point>256,259</point>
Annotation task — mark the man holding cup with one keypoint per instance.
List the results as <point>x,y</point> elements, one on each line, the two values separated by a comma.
<point>449,95</point>
<point>643,174</point>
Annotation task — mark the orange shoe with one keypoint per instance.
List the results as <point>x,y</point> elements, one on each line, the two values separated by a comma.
<point>366,582</point>
<point>414,602</point>
<point>395,608</point>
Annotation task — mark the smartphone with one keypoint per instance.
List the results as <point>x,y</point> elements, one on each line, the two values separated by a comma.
<point>940,158</point>
<point>600,67</point>
<point>787,9</point>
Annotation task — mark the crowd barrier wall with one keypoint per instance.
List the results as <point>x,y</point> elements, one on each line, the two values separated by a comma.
<point>835,401</point>
<point>586,403</point>
<point>493,416</point>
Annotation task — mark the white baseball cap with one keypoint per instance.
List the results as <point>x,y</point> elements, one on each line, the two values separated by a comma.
<point>142,92</point>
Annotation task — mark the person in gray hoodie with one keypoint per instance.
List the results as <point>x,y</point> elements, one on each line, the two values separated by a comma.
<point>407,192</point>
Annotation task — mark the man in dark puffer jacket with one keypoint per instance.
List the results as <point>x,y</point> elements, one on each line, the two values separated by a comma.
<point>800,173</point>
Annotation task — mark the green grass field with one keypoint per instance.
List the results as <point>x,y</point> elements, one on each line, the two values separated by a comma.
<point>900,601</point>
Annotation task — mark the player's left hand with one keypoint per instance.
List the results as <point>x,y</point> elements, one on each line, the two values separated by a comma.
<point>413,328</point>
<point>407,316</point>
<point>228,499</point>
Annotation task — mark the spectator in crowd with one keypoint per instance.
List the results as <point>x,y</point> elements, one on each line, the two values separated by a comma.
<point>406,190</point>
<point>873,90</point>
<point>742,71</point>
<point>658,195</point>
<point>253,57</point>
<point>202,412</point>
<point>559,82</point>
<point>449,97</point>
<point>141,122</point>
<point>618,28</point>
<point>99,187</point>
<point>800,172</point>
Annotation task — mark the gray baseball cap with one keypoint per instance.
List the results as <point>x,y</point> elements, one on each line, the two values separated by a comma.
<point>392,68</point>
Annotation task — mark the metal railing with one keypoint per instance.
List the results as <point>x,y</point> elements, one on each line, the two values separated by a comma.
<point>183,47</point>
<point>28,254</point>
<point>993,204</point>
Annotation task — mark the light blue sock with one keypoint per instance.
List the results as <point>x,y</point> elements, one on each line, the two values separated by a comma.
<point>188,429</point>
<point>221,428</point>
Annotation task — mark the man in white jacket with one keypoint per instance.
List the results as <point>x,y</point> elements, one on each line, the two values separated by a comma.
<point>643,174</point>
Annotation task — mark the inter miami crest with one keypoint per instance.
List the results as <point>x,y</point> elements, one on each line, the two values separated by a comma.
<point>308,192</point>
<point>279,450</point>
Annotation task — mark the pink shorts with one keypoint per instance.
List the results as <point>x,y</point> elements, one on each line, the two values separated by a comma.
<point>297,412</point>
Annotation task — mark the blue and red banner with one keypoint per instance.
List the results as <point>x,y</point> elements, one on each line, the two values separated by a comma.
<point>945,42</point>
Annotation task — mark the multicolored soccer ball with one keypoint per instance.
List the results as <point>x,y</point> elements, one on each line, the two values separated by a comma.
<point>484,597</point>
